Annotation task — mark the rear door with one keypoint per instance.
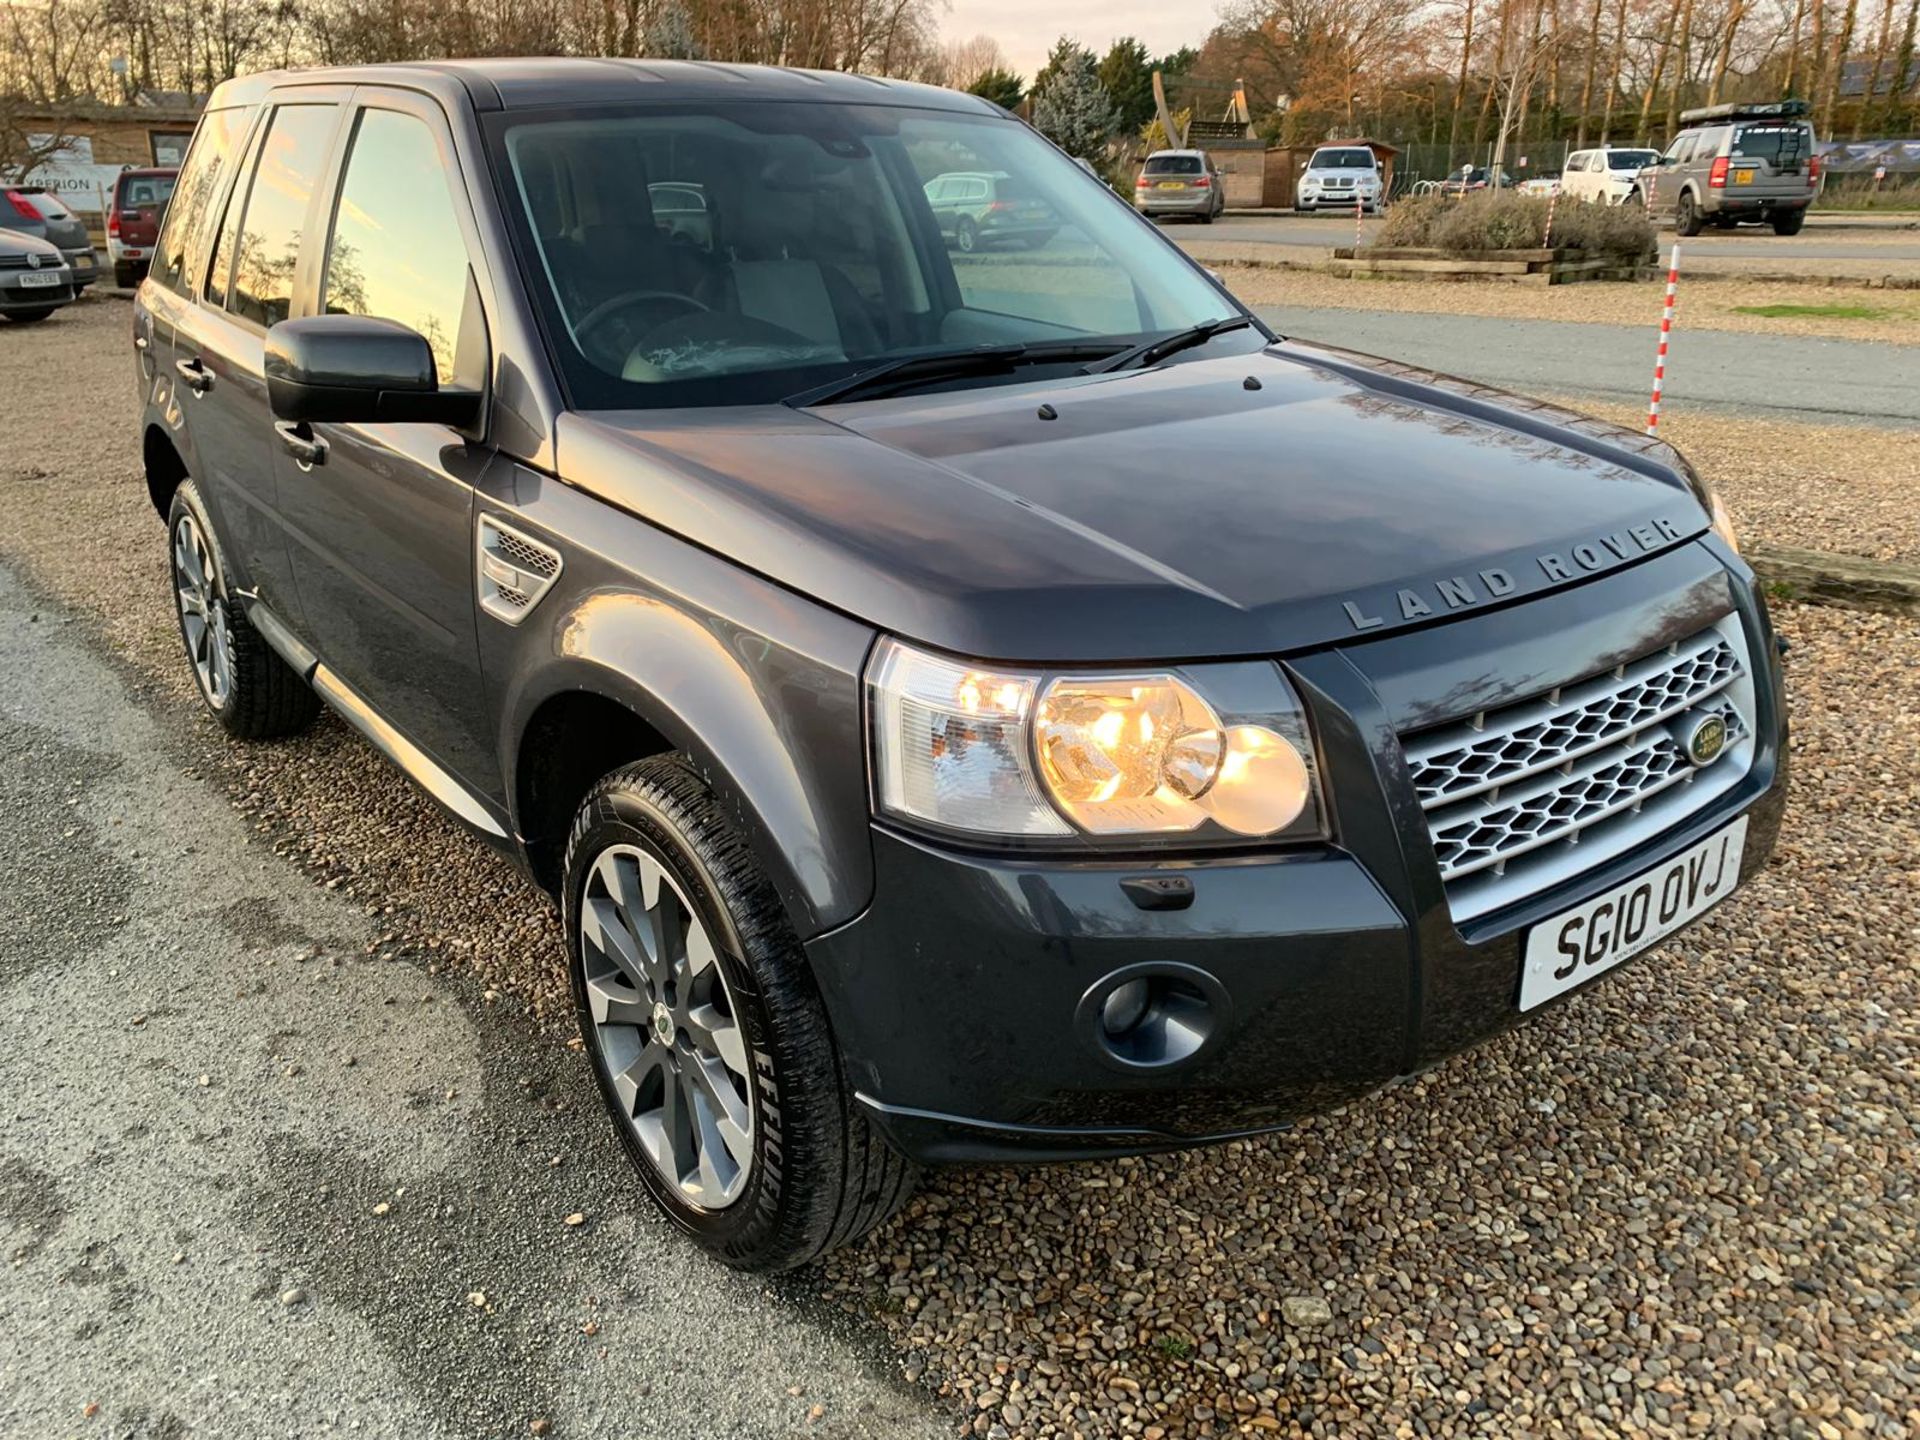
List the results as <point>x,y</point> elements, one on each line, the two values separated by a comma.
<point>381,530</point>
<point>220,345</point>
<point>1767,159</point>
<point>141,204</point>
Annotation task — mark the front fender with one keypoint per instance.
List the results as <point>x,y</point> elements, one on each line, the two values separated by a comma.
<point>773,727</point>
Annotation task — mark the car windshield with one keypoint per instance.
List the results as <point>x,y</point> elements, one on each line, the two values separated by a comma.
<point>1341,160</point>
<point>1635,160</point>
<point>743,253</point>
<point>1173,165</point>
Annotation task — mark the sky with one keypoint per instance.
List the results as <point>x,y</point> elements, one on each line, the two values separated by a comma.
<point>1026,30</point>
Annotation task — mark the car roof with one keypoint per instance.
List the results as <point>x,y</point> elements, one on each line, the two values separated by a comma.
<point>532,83</point>
<point>1157,154</point>
<point>147,172</point>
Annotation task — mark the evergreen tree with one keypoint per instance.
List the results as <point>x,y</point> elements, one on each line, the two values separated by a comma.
<point>1127,72</point>
<point>1071,107</point>
<point>1002,87</point>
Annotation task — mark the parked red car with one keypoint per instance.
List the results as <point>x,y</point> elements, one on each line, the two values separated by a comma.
<point>133,223</point>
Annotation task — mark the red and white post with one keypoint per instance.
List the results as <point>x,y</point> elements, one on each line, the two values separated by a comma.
<point>1553,199</point>
<point>1666,329</point>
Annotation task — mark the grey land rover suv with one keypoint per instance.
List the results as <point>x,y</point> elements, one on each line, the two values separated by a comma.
<point>965,710</point>
<point>1736,164</point>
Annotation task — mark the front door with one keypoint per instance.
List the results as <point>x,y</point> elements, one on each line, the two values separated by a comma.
<point>381,528</point>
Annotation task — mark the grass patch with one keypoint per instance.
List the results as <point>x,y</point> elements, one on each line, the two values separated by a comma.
<point>1173,1346</point>
<point>1813,312</point>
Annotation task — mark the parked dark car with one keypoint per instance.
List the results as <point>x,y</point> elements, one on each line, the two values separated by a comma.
<point>34,211</point>
<point>976,210</point>
<point>138,206</point>
<point>35,279</point>
<point>964,712</point>
<point>1474,178</point>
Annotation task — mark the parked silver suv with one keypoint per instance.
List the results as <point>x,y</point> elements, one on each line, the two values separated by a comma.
<point>1735,164</point>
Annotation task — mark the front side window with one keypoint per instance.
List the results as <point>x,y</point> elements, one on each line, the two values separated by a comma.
<point>268,249</point>
<point>818,252</point>
<point>1678,152</point>
<point>200,180</point>
<point>397,251</point>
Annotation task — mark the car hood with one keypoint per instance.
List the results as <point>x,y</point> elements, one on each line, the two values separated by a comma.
<point>1223,506</point>
<point>18,242</point>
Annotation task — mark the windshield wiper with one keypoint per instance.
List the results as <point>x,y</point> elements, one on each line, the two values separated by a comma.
<point>935,366</point>
<point>1152,352</point>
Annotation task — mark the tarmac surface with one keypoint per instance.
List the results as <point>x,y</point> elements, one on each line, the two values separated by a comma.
<point>262,1176</point>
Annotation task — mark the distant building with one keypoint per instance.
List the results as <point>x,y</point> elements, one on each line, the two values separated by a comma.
<point>101,140</point>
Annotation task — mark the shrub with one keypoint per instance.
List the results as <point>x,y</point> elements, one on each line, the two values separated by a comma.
<point>1512,222</point>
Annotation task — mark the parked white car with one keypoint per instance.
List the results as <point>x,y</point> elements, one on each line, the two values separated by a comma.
<point>1606,174</point>
<point>1338,176</point>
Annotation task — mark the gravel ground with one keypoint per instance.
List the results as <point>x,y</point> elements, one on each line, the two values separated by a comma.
<point>1683,1204</point>
<point>1844,488</point>
<point>1710,305</point>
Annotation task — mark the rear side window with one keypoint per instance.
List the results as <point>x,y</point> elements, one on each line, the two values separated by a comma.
<point>291,157</point>
<point>397,251</point>
<point>200,180</point>
<point>1173,165</point>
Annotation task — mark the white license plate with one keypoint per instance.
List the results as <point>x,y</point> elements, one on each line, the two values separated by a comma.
<point>41,282</point>
<point>1573,947</point>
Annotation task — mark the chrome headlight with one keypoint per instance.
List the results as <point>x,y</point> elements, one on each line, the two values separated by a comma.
<point>1135,755</point>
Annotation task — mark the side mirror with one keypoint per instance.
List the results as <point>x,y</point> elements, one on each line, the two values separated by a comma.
<point>356,369</point>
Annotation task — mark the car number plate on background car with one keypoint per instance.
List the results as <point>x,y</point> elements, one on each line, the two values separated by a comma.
<point>38,282</point>
<point>1173,184</point>
<point>1573,947</point>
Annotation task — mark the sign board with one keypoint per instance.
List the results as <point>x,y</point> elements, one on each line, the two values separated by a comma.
<point>83,186</point>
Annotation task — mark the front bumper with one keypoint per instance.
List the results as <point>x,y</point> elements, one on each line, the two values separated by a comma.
<point>966,998</point>
<point>14,295</point>
<point>1336,199</point>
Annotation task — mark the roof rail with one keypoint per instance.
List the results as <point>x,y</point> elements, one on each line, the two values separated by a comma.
<point>1745,110</point>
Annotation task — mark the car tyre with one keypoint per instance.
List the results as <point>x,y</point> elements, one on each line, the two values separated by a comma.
<point>251,691</point>
<point>126,277</point>
<point>966,235</point>
<point>1686,216</point>
<point>30,317</point>
<point>797,1168</point>
<point>1788,222</point>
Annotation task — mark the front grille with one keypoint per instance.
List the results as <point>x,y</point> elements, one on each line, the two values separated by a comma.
<point>1522,798</point>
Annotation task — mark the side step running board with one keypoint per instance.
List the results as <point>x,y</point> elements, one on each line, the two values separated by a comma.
<point>415,762</point>
<point>404,753</point>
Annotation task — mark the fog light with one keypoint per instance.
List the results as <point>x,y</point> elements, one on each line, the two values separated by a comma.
<point>1124,1006</point>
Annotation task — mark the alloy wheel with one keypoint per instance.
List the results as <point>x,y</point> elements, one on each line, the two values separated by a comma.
<point>203,611</point>
<point>665,1025</point>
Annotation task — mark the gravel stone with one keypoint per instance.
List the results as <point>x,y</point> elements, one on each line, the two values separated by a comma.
<point>1681,1204</point>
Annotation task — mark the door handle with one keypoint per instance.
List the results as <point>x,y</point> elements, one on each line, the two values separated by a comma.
<point>307,448</point>
<point>195,374</point>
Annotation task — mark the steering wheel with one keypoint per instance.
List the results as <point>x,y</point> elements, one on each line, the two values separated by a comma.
<point>627,299</point>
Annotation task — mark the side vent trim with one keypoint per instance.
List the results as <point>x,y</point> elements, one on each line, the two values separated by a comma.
<point>513,570</point>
